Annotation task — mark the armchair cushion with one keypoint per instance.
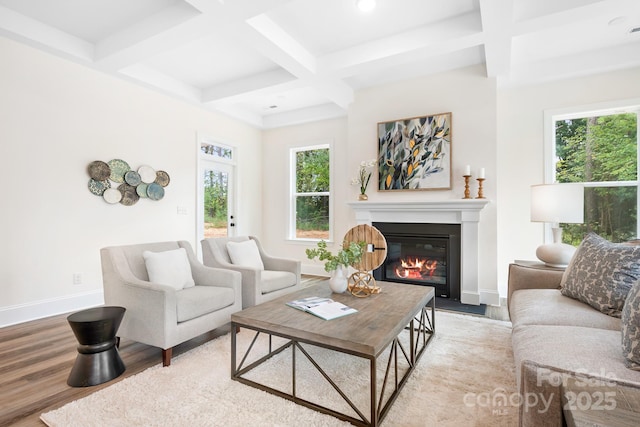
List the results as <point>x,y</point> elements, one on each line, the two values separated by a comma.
<point>276,280</point>
<point>170,268</point>
<point>199,300</point>
<point>245,254</point>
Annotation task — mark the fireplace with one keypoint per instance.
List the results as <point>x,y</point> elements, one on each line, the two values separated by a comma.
<point>462,212</point>
<point>422,254</point>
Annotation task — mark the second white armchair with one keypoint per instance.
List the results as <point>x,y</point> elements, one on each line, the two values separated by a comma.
<point>264,277</point>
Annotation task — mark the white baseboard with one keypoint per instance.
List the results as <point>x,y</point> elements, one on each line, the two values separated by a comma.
<point>489,297</point>
<point>470,298</point>
<point>314,270</point>
<point>37,310</point>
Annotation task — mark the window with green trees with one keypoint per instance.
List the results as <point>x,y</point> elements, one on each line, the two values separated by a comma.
<point>311,192</point>
<point>600,149</point>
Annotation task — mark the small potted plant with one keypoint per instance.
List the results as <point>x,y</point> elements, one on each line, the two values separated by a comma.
<point>335,264</point>
<point>364,175</point>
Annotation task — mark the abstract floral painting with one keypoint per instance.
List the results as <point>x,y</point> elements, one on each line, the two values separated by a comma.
<point>415,153</point>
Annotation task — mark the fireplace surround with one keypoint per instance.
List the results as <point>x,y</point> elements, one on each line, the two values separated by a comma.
<point>465,212</point>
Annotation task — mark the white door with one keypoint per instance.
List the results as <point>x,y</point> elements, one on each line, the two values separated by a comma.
<point>215,191</point>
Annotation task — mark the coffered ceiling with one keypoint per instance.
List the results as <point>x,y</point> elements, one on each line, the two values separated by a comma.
<point>276,62</point>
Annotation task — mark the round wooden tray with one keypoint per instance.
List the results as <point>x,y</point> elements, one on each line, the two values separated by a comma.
<point>371,259</point>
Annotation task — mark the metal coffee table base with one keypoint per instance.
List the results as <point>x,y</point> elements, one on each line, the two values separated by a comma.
<point>421,329</point>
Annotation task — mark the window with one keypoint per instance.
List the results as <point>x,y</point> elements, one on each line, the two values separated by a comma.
<point>310,193</point>
<point>215,190</point>
<point>599,147</point>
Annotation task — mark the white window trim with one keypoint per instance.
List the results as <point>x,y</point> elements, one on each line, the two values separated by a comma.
<point>291,229</point>
<point>601,109</point>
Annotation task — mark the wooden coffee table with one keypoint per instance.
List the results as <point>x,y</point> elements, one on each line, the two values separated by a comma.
<point>380,319</point>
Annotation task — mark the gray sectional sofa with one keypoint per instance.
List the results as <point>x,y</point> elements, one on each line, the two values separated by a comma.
<point>556,337</point>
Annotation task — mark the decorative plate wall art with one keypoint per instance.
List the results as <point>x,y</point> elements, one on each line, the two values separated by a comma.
<point>415,153</point>
<point>116,182</point>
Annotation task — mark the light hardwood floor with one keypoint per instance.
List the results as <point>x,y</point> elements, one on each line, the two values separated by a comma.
<point>36,358</point>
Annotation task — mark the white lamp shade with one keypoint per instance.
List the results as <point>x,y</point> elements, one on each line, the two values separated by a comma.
<point>557,203</point>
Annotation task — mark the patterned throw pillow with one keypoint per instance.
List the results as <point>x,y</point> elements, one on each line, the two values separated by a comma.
<point>601,274</point>
<point>631,329</point>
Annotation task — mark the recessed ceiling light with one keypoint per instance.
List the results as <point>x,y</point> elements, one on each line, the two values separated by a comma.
<point>366,5</point>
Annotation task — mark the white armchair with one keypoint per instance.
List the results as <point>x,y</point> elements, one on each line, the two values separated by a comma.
<point>161,315</point>
<point>279,276</point>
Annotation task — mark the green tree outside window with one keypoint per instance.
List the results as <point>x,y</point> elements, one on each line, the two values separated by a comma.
<point>602,152</point>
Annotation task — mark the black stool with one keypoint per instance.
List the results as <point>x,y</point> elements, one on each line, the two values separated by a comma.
<point>98,360</point>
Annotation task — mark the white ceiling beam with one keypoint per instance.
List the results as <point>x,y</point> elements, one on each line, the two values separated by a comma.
<point>163,31</point>
<point>266,37</point>
<point>497,19</point>
<point>239,113</point>
<point>445,37</point>
<point>303,115</point>
<point>576,14</point>
<point>350,68</point>
<point>152,78</point>
<point>582,64</point>
<point>263,83</point>
<point>282,48</point>
<point>25,29</point>
<point>238,9</point>
<point>174,26</point>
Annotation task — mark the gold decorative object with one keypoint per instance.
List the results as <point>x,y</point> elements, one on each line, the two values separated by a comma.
<point>467,193</point>
<point>362,283</point>
<point>480,193</point>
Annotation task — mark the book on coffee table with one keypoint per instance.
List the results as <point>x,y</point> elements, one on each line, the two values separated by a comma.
<point>325,308</point>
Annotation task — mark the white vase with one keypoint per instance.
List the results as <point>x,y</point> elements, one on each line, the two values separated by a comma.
<point>338,280</point>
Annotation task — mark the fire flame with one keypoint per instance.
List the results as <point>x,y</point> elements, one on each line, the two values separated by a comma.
<point>416,268</point>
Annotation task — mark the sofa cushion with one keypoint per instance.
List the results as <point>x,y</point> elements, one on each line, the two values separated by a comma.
<point>601,274</point>
<point>200,300</point>
<point>276,280</point>
<point>245,254</point>
<point>550,307</point>
<point>574,348</point>
<point>631,329</point>
<point>170,268</point>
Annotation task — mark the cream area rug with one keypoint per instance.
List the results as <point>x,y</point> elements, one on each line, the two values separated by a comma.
<point>463,378</point>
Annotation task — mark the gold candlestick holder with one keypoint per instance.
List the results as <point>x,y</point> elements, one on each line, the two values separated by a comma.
<point>480,193</point>
<point>467,194</point>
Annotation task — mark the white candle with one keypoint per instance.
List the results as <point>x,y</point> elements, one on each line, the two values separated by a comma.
<point>481,174</point>
<point>467,170</point>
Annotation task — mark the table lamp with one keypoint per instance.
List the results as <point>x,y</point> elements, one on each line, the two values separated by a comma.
<point>556,203</point>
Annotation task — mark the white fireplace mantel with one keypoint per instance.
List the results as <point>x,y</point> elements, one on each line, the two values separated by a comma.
<point>465,212</point>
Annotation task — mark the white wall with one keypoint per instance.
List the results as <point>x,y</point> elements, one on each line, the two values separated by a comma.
<point>55,118</point>
<point>466,93</point>
<point>521,146</point>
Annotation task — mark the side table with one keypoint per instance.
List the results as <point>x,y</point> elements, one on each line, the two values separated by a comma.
<point>537,264</point>
<point>98,360</point>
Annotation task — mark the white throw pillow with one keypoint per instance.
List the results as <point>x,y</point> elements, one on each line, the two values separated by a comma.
<point>245,254</point>
<point>169,268</point>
